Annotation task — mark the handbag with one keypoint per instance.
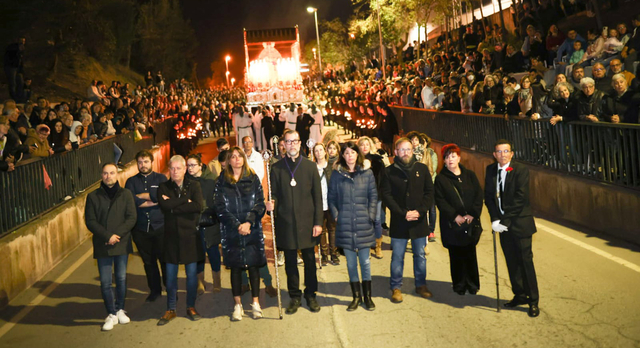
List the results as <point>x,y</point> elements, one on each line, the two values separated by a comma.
<point>471,231</point>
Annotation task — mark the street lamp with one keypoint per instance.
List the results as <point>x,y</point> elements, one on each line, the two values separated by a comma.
<point>314,53</point>
<point>227,74</point>
<point>315,15</point>
<point>233,80</point>
<point>226,61</point>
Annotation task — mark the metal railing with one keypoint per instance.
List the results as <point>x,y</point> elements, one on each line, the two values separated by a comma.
<point>602,151</point>
<point>23,195</point>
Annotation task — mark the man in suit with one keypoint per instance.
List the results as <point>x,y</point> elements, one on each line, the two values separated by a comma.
<point>507,199</point>
<point>297,203</point>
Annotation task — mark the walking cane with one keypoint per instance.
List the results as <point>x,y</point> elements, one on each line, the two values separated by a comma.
<point>495,261</point>
<point>267,156</point>
<point>310,144</point>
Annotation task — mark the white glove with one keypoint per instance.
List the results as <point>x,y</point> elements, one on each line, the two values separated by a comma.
<point>498,227</point>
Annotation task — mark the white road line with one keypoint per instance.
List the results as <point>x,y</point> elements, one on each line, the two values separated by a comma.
<point>586,246</point>
<point>43,295</point>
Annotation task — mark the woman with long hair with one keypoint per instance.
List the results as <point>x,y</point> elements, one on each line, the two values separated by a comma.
<point>328,237</point>
<point>239,203</point>
<point>353,199</point>
<point>368,149</point>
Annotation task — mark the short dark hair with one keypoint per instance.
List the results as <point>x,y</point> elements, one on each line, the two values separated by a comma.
<point>143,154</point>
<point>221,142</point>
<point>222,156</point>
<point>503,142</point>
<point>353,146</point>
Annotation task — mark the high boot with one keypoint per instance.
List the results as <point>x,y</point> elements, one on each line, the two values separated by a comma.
<point>357,296</point>
<point>217,283</point>
<point>366,294</point>
<point>378,250</point>
<point>200,283</point>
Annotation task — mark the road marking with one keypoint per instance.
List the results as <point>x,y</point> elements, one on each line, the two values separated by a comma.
<point>593,249</point>
<point>43,295</point>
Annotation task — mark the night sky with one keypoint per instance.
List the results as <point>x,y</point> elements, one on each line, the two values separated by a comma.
<point>218,25</point>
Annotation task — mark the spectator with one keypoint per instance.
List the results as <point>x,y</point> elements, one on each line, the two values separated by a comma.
<point>38,139</point>
<point>59,138</point>
<point>631,48</point>
<point>603,82</point>
<point>577,74</point>
<point>589,101</point>
<point>564,106</point>
<point>595,49</point>
<point>578,53</point>
<point>466,99</point>
<point>492,93</point>
<point>623,106</point>
<point>513,61</point>
<point>554,39</point>
<point>14,67</point>
<point>567,48</point>
<point>616,67</point>
<point>12,148</point>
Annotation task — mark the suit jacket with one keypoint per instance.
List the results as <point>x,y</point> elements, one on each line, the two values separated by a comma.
<point>517,216</point>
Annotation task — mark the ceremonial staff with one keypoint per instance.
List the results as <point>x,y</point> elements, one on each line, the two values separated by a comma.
<point>495,261</point>
<point>267,156</point>
<point>310,144</point>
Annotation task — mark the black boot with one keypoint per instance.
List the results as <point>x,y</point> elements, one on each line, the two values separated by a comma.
<point>357,296</point>
<point>366,293</point>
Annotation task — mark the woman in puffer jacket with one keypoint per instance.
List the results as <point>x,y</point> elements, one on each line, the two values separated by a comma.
<point>353,199</point>
<point>239,203</point>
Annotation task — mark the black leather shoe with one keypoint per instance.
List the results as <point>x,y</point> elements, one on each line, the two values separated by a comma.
<point>193,314</point>
<point>152,297</point>
<point>515,302</point>
<point>293,306</point>
<point>534,311</point>
<point>313,304</point>
<point>357,296</point>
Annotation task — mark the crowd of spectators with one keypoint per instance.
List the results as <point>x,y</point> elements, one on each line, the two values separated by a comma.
<point>541,74</point>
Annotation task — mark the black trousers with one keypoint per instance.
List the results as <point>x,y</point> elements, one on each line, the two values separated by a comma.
<point>254,280</point>
<point>522,273</point>
<point>293,277</point>
<point>149,246</point>
<point>328,237</point>
<point>464,268</point>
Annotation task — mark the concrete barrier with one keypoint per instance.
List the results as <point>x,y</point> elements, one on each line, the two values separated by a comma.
<point>32,250</point>
<point>589,205</point>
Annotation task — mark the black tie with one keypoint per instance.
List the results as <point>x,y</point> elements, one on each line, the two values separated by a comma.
<point>501,190</point>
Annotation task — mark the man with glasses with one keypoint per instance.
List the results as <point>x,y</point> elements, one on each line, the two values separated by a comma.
<point>616,67</point>
<point>297,203</point>
<point>407,190</point>
<point>602,81</point>
<point>506,195</point>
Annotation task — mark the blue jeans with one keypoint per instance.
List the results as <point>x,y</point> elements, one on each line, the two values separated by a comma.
<point>214,256</point>
<point>172,284</point>
<point>352,264</point>
<point>399,247</point>
<point>377,225</point>
<point>432,219</point>
<point>119,265</point>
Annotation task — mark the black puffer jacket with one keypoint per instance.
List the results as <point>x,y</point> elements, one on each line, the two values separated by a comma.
<point>236,204</point>
<point>354,201</point>
<point>449,203</point>
<point>209,224</point>
<point>591,105</point>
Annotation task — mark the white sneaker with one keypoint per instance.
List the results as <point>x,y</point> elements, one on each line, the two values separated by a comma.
<point>256,310</point>
<point>280,258</point>
<point>237,313</point>
<point>110,322</point>
<point>122,317</point>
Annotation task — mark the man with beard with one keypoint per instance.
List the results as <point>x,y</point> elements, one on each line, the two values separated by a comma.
<point>148,233</point>
<point>407,190</point>
<point>297,203</point>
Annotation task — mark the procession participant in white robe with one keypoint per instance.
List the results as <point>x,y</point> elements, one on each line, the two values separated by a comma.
<point>318,124</point>
<point>289,116</point>
<point>242,124</point>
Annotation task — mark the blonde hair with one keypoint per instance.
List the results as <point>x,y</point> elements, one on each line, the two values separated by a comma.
<point>372,145</point>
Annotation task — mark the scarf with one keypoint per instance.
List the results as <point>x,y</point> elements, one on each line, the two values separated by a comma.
<point>111,191</point>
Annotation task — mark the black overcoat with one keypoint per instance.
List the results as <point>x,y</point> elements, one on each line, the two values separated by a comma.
<point>449,203</point>
<point>298,208</point>
<point>182,242</point>
<point>517,216</point>
<point>403,190</point>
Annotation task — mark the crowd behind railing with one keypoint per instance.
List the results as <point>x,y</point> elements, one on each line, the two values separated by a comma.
<point>541,74</point>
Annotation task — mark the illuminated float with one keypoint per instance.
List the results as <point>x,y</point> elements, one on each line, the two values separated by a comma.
<point>272,58</point>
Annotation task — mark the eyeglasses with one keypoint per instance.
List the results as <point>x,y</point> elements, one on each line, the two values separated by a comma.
<point>598,69</point>
<point>192,165</point>
<point>619,64</point>
<point>248,142</point>
<point>506,152</point>
<point>292,142</point>
<point>404,150</point>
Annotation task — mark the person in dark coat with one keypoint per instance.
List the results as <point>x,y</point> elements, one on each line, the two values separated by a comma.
<point>208,226</point>
<point>459,198</point>
<point>387,125</point>
<point>407,190</point>
<point>304,122</point>
<point>110,214</point>
<point>353,200</point>
<point>622,106</point>
<point>506,194</point>
<point>239,203</point>
<point>375,162</point>
<point>181,202</point>
<point>297,203</point>
<point>148,234</point>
